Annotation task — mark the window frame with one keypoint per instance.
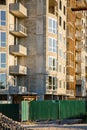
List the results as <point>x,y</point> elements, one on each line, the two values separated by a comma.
<point>52,28</point>
<point>2,63</point>
<point>52,63</point>
<point>52,85</point>
<point>2,42</point>
<point>2,21</point>
<point>52,45</point>
<point>4,79</point>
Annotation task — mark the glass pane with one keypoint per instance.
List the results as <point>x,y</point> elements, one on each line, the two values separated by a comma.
<point>3,58</point>
<point>2,81</point>
<point>50,80</point>
<point>3,23</point>
<point>3,15</point>
<point>3,36</point>
<point>50,23</point>
<point>50,62</point>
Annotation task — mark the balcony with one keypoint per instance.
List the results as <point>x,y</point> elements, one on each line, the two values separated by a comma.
<point>18,50</point>
<point>51,91</point>
<point>79,15</point>
<point>80,3</point>
<point>78,48</point>
<point>70,63</point>
<point>18,30</point>
<point>70,36</point>
<point>53,2</point>
<point>18,70</point>
<point>4,91</point>
<point>17,89</point>
<point>78,59</point>
<point>70,92</point>
<point>78,37</point>
<point>70,78</point>
<point>79,25</point>
<point>78,71</point>
<point>18,10</point>
<point>78,81</point>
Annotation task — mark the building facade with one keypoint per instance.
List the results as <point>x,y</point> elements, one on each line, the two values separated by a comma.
<point>41,49</point>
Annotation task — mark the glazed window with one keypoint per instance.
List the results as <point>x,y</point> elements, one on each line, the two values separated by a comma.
<point>52,63</point>
<point>52,28</point>
<point>2,80</point>
<point>2,60</point>
<point>52,44</point>
<point>2,39</point>
<point>2,2</point>
<point>2,18</point>
<point>52,83</point>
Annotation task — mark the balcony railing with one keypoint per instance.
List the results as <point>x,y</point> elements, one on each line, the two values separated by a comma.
<point>17,89</point>
<point>79,25</point>
<point>80,3</point>
<point>51,91</point>
<point>70,36</point>
<point>70,63</point>
<point>70,78</point>
<point>78,59</point>
<point>18,10</point>
<point>18,50</point>
<point>18,70</point>
<point>70,92</point>
<point>78,48</point>
<point>78,37</point>
<point>79,15</point>
<point>78,71</point>
<point>18,30</point>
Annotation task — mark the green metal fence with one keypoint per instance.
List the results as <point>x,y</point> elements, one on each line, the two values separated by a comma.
<point>25,111</point>
<point>53,110</point>
<point>71,108</point>
<point>10,110</point>
<point>43,110</point>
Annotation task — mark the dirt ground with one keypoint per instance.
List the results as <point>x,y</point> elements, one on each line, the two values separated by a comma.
<point>57,127</point>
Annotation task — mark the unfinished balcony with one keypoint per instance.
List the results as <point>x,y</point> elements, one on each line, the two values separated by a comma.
<point>78,48</point>
<point>70,78</point>
<point>17,89</point>
<point>18,50</point>
<point>70,36</point>
<point>78,81</point>
<point>80,3</point>
<point>51,92</point>
<point>18,10</point>
<point>18,30</point>
<point>53,8</point>
<point>70,92</point>
<point>18,70</point>
<point>79,25</point>
<point>78,71</point>
<point>78,36</point>
<point>70,63</point>
<point>78,59</point>
<point>79,15</point>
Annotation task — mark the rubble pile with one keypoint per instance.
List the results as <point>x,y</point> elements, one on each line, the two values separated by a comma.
<point>9,124</point>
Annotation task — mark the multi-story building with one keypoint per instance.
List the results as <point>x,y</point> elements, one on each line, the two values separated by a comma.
<point>78,7</point>
<point>39,54</point>
<point>33,48</point>
<point>70,68</point>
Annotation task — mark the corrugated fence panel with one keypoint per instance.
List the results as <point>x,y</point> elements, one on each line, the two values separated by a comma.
<point>71,108</point>
<point>53,110</point>
<point>25,111</point>
<point>10,110</point>
<point>43,110</point>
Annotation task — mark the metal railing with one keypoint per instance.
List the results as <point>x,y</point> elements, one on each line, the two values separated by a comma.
<point>18,28</point>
